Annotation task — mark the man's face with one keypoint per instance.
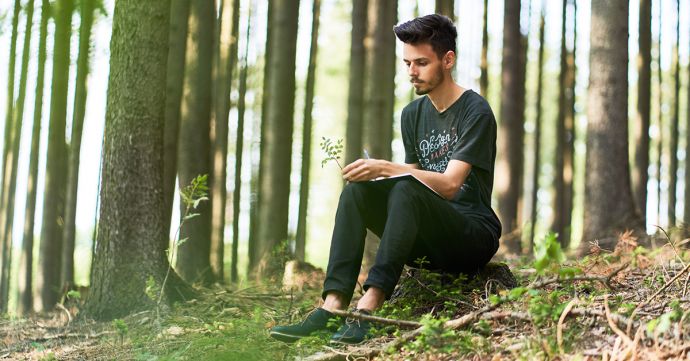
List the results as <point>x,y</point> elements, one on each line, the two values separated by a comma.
<point>425,69</point>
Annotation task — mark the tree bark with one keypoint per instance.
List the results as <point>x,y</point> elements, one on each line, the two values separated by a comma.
<point>177,42</point>
<point>25,283</point>
<point>239,154</point>
<point>10,177</point>
<point>563,182</point>
<point>609,206</point>
<point>10,84</point>
<point>355,97</point>
<point>537,131</point>
<point>132,214</point>
<point>48,281</point>
<point>511,130</point>
<point>380,82</point>
<point>193,262</point>
<point>301,234</point>
<point>642,118</point>
<point>484,64</point>
<point>673,133</point>
<point>228,33</point>
<point>87,9</point>
<point>276,148</point>
<point>660,121</point>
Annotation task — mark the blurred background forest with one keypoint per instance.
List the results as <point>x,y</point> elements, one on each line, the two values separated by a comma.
<point>245,91</point>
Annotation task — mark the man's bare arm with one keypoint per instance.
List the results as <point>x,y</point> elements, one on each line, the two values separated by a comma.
<point>446,184</point>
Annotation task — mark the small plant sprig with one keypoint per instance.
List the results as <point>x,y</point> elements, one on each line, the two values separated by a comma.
<point>332,150</point>
<point>191,196</point>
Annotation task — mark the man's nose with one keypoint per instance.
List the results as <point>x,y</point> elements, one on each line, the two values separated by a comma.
<point>412,70</point>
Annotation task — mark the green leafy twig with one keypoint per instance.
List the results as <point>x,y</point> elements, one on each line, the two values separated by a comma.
<point>332,150</point>
<point>191,196</point>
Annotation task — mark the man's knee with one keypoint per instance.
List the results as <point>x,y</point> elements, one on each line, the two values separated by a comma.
<point>404,188</point>
<point>353,191</point>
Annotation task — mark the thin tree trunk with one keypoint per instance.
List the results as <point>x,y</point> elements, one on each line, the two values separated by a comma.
<point>301,236</point>
<point>564,145</point>
<point>131,218</point>
<point>193,262</point>
<point>379,98</point>
<point>257,176</point>
<point>380,84</point>
<point>686,212</point>
<point>511,130</point>
<point>537,130</point>
<point>25,304</point>
<point>10,84</point>
<point>484,64</point>
<point>609,206</point>
<point>225,65</point>
<point>87,9</point>
<point>9,118</point>
<point>660,122</point>
<point>277,126</point>
<point>642,118</point>
<point>10,178</point>
<point>355,97</point>
<point>673,133</point>
<point>239,153</point>
<point>48,281</point>
<point>446,7</point>
<point>177,42</point>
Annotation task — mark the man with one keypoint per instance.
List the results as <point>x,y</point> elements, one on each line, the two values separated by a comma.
<point>450,146</point>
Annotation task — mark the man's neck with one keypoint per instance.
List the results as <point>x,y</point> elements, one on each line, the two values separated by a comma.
<point>445,94</point>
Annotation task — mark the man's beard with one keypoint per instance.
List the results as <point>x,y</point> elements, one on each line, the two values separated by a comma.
<point>432,84</point>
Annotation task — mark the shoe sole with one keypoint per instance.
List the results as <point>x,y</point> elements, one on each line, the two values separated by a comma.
<point>284,337</point>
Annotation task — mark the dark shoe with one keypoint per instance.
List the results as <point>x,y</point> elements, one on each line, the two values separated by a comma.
<point>317,320</point>
<point>353,331</point>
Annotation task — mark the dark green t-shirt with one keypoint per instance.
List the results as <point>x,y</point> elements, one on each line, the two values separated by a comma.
<point>465,131</point>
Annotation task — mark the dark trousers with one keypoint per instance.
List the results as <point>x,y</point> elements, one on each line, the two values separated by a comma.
<point>412,223</point>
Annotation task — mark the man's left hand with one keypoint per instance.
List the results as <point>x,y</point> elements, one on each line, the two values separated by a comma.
<point>363,170</point>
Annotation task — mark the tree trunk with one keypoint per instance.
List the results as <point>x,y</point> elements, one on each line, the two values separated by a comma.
<point>87,9</point>
<point>686,212</point>
<point>228,31</point>
<point>25,283</point>
<point>301,236</point>
<point>256,174</point>
<point>642,118</point>
<point>563,182</point>
<point>48,281</point>
<point>10,178</point>
<point>10,84</point>
<point>193,262</point>
<point>511,131</point>
<point>660,121</point>
<point>380,82</point>
<point>484,65</point>
<point>446,7</point>
<point>355,96</point>
<point>177,42</point>
<point>276,149</point>
<point>379,87</point>
<point>9,117</point>
<point>673,133</point>
<point>239,154</point>
<point>609,206</point>
<point>131,216</point>
<point>537,131</point>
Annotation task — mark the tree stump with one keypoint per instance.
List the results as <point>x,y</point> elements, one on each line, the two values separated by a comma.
<point>429,289</point>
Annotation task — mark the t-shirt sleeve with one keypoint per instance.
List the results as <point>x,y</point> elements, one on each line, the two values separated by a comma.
<point>407,130</point>
<point>475,140</point>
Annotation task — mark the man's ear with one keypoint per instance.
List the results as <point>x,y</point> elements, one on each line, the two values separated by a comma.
<point>449,59</point>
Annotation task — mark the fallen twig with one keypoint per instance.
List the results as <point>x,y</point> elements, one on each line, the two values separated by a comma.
<point>387,321</point>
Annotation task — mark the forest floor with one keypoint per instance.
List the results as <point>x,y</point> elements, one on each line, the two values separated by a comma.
<point>631,303</point>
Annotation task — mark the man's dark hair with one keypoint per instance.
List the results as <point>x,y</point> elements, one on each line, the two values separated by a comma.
<point>436,30</point>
